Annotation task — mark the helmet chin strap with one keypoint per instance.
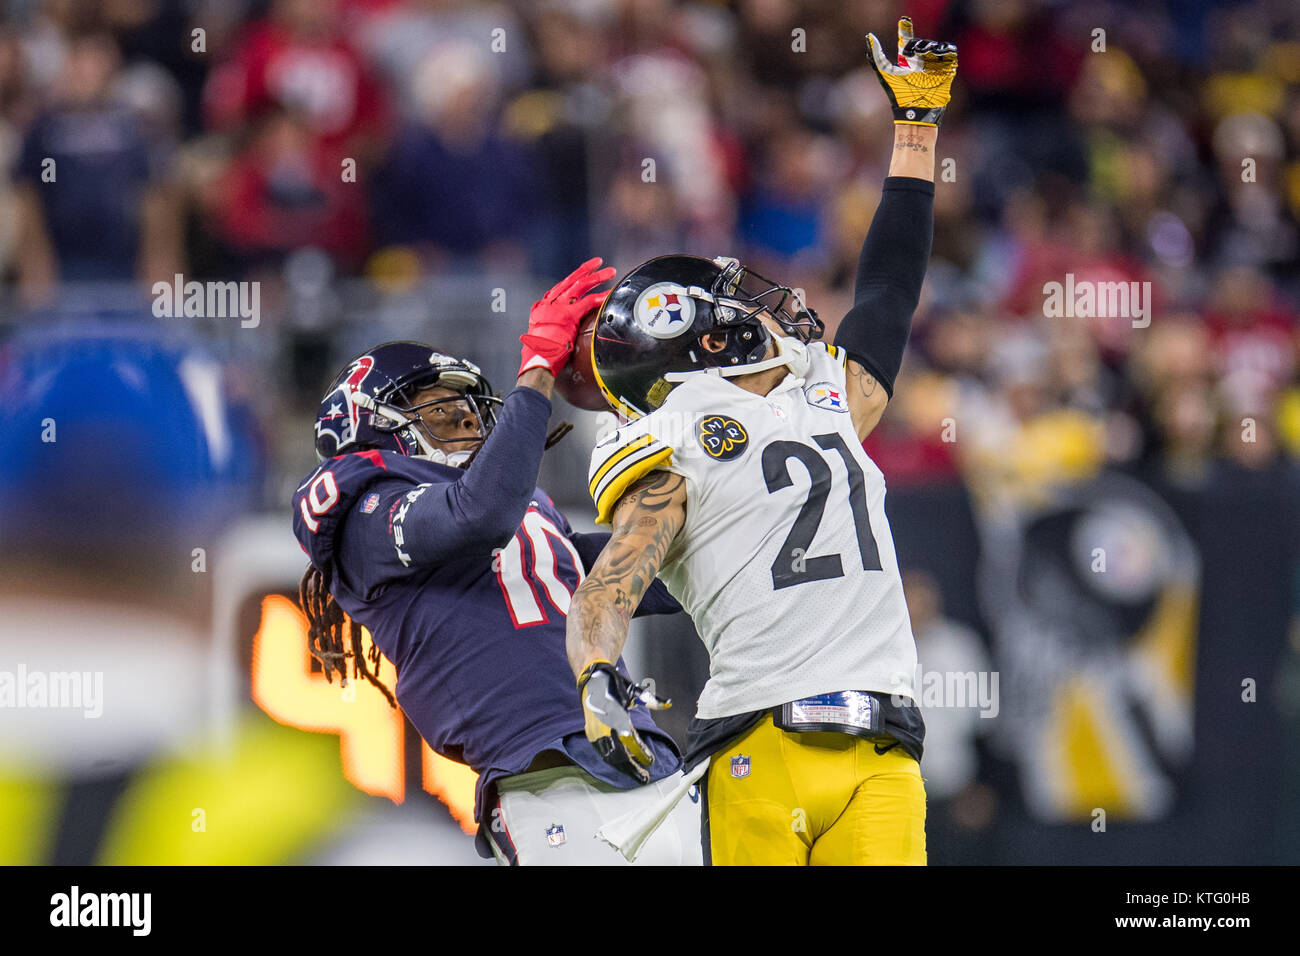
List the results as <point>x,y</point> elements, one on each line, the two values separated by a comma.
<point>429,452</point>
<point>789,352</point>
<point>439,457</point>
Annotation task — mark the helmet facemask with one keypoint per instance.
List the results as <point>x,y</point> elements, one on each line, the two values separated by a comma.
<point>745,293</point>
<point>740,297</point>
<point>401,415</point>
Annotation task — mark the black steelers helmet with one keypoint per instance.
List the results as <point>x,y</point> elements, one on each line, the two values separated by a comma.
<point>647,336</point>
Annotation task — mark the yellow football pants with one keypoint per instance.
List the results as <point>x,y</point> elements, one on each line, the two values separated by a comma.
<point>823,799</point>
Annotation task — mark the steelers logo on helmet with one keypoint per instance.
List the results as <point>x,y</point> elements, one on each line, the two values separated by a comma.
<point>722,438</point>
<point>664,310</point>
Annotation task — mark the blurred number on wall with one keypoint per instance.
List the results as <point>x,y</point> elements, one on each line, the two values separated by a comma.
<point>371,732</point>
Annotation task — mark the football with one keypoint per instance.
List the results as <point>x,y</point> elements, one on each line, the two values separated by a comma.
<point>576,381</point>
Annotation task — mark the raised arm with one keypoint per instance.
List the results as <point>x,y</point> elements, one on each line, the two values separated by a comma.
<point>896,252</point>
<point>645,522</point>
<point>482,508</point>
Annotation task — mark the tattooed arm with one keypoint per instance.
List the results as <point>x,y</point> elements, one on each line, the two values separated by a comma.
<point>867,400</point>
<point>645,521</point>
<point>913,155</point>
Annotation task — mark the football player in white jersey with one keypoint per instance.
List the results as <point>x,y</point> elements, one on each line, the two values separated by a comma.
<point>741,481</point>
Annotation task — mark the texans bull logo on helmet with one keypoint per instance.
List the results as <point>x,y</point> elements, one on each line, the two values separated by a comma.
<point>341,419</point>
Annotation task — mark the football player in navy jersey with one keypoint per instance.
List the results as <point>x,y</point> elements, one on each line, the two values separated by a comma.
<point>424,524</point>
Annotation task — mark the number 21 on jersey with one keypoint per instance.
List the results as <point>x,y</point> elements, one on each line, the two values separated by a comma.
<point>792,566</point>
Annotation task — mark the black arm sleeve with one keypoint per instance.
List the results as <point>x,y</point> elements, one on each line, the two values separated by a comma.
<point>482,508</point>
<point>656,599</point>
<point>890,271</point>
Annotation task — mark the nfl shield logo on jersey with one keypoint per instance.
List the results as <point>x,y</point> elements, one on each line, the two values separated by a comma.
<point>370,504</point>
<point>555,834</point>
<point>740,766</point>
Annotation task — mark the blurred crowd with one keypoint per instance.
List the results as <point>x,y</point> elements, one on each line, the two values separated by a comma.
<point>399,141</point>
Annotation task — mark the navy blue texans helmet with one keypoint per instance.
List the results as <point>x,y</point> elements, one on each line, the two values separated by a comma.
<point>371,404</point>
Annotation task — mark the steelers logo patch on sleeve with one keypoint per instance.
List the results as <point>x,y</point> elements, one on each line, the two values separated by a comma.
<point>827,395</point>
<point>722,438</point>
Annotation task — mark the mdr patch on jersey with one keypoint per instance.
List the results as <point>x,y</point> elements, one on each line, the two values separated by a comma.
<point>786,562</point>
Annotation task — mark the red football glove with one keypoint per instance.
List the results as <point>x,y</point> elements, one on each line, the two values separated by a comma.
<point>554,319</point>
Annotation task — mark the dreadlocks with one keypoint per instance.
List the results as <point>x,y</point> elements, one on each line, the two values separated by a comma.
<point>558,432</point>
<point>325,626</point>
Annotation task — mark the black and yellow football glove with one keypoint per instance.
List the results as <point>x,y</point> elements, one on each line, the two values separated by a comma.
<point>920,86</point>
<point>607,697</point>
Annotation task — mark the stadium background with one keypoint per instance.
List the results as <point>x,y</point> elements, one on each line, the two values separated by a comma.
<point>496,145</point>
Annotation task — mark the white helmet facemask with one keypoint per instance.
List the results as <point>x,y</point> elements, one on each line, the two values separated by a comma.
<point>430,452</point>
<point>415,427</point>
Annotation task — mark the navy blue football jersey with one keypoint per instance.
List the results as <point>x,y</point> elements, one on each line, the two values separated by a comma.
<point>473,619</point>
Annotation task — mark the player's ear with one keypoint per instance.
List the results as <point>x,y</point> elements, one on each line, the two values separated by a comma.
<point>713,341</point>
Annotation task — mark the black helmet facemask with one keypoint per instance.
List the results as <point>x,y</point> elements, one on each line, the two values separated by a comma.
<point>748,293</point>
<point>739,296</point>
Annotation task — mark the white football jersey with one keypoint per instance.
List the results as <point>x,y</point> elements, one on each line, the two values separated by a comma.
<point>786,562</point>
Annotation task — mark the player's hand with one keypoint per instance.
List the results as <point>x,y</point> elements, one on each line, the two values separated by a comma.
<point>607,699</point>
<point>920,86</point>
<point>554,319</point>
